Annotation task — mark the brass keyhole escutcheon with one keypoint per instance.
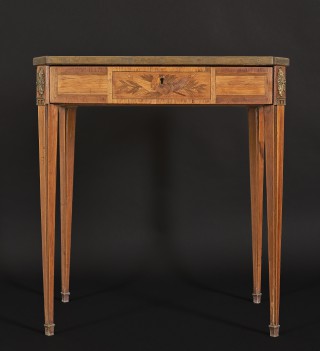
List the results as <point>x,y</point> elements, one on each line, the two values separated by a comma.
<point>161,80</point>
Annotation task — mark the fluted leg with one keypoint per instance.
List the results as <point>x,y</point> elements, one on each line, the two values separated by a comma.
<point>67,122</point>
<point>274,140</point>
<point>256,153</point>
<point>48,130</point>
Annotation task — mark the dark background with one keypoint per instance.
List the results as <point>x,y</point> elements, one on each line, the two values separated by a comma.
<point>161,256</point>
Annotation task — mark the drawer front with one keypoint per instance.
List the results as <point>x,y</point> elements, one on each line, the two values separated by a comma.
<point>79,85</point>
<point>161,85</point>
<point>243,85</point>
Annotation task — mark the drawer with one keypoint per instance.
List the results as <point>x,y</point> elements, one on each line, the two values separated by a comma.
<point>160,85</point>
<point>79,84</point>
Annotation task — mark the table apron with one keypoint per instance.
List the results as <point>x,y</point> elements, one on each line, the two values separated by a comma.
<point>140,85</point>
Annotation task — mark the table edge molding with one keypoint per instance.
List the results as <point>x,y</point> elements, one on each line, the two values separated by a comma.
<point>161,61</point>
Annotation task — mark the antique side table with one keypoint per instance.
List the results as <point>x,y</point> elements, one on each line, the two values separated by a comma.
<point>65,82</point>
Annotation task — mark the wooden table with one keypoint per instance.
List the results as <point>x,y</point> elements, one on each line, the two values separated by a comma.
<point>65,82</point>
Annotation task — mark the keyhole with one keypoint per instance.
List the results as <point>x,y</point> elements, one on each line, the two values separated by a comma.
<point>161,80</point>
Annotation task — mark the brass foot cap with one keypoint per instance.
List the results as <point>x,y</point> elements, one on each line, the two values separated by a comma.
<point>256,298</point>
<point>49,329</point>
<point>65,297</point>
<point>274,330</point>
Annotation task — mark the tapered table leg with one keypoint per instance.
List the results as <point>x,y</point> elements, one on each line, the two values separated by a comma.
<point>256,153</point>
<point>67,122</point>
<point>274,139</point>
<point>48,130</point>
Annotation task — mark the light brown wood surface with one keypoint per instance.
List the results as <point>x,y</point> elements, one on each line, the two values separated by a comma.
<point>78,85</point>
<point>161,60</point>
<point>243,85</point>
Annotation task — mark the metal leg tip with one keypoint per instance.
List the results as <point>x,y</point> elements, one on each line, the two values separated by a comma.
<point>49,329</point>
<point>274,330</point>
<point>65,297</point>
<point>256,298</point>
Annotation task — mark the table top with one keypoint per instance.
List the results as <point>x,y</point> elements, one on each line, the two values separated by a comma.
<point>161,60</point>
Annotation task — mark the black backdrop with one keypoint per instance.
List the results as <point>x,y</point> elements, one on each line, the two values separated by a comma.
<point>161,256</point>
